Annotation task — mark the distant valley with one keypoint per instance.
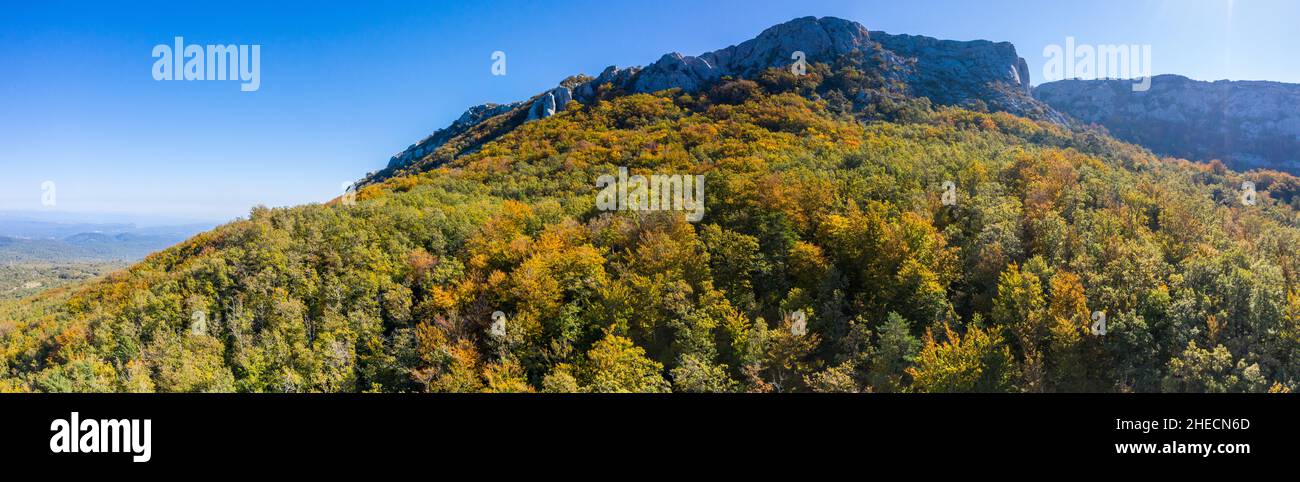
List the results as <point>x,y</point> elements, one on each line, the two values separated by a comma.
<point>19,281</point>
<point>42,251</point>
<point>84,247</point>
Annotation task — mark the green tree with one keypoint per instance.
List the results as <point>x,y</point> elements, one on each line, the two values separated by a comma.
<point>1019,308</point>
<point>975,362</point>
<point>615,364</point>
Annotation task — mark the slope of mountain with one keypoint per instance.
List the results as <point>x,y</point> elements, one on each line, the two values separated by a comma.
<point>990,75</point>
<point>856,237</point>
<point>1245,124</point>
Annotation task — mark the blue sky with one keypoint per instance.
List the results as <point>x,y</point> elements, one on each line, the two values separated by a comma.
<point>346,85</point>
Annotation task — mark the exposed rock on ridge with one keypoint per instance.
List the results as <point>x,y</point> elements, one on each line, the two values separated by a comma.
<point>953,72</point>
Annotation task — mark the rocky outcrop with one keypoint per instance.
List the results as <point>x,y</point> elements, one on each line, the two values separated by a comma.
<point>549,103</point>
<point>612,75</point>
<point>1245,124</point>
<point>954,72</point>
<point>976,60</point>
<point>676,71</point>
<point>947,72</point>
<point>820,40</point>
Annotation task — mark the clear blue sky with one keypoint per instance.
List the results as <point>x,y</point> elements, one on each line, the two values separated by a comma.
<point>344,86</point>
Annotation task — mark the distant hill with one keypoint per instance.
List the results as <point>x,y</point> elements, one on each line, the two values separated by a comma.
<point>1245,124</point>
<point>25,240</point>
<point>84,247</point>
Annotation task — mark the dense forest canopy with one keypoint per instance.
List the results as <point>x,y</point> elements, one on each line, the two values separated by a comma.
<point>826,211</point>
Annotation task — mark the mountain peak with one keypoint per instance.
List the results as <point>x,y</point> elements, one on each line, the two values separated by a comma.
<point>948,72</point>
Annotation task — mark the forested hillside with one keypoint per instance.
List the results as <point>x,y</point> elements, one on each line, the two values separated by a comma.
<point>824,201</point>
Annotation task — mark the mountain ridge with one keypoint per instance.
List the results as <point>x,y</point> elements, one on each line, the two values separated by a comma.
<point>1245,124</point>
<point>948,72</point>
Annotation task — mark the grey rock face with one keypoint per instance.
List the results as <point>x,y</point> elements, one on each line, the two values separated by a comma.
<point>612,75</point>
<point>1245,124</point>
<point>562,97</point>
<point>1022,74</point>
<point>477,113</point>
<point>820,40</point>
<point>549,103</point>
<point>954,60</point>
<point>958,73</point>
<point>676,71</point>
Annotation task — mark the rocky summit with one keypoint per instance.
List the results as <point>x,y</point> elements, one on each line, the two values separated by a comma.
<point>1246,125</point>
<point>981,74</point>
